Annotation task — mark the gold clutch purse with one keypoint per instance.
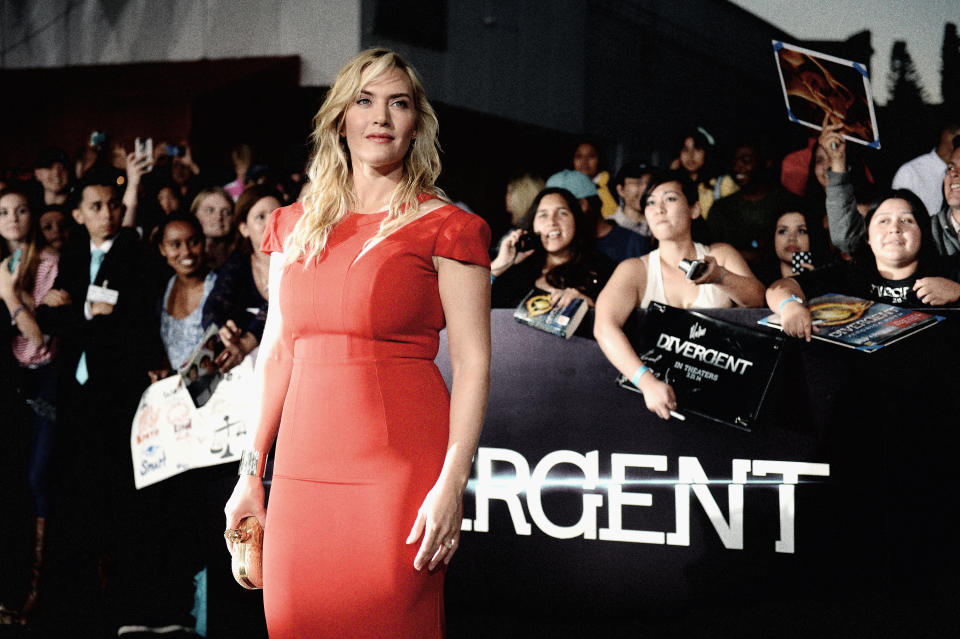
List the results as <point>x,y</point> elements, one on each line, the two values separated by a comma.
<point>247,553</point>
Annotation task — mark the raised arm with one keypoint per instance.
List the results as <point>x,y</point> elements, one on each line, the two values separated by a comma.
<point>847,230</point>
<point>274,365</point>
<point>465,297</point>
<point>616,302</point>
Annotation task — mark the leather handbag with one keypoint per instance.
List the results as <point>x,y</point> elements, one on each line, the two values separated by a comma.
<point>247,553</point>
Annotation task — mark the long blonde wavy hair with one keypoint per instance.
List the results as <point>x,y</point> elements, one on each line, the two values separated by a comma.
<point>328,196</point>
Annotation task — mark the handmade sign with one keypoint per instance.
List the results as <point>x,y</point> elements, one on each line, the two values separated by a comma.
<point>170,435</point>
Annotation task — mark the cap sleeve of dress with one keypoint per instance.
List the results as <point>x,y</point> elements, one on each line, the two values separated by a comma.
<point>464,237</point>
<point>279,225</point>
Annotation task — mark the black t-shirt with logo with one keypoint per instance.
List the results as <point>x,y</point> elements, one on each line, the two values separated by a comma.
<point>848,278</point>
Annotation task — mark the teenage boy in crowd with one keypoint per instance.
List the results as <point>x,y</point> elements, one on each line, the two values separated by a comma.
<point>99,307</point>
<point>52,175</point>
<point>630,183</point>
<point>746,218</point>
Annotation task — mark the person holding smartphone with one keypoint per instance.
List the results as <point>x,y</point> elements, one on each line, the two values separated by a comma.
<point>799,245</point>
<point>679,272</point>
<point>552,251</point>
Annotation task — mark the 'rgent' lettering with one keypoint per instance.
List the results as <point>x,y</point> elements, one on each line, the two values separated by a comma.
<point>511,487</point>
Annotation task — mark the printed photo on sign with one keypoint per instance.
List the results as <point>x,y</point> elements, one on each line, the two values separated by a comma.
<point>170,435</point>
<point>816,85</point>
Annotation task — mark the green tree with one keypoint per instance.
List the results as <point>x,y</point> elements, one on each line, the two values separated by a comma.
<point>904,81</point>
<point>950,67</point>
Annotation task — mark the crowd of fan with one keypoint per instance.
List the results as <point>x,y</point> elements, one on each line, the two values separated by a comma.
<point>113,267</point>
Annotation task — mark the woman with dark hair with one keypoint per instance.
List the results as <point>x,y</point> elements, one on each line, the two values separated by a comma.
<point>586,160</point>
<point>28,268</point>
<point>696,158</point>
<point>181,243</point>
<point>799,242</point>
<point>897,265</point>
<point>723,280</point>
<point>563,262</point>
<point>238,303</point>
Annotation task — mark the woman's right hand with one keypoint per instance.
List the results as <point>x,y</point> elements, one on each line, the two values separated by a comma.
<point>658,395</point>
<point>796,320</point>
<point>833,144</point>
<point>508,255</point>
<point>247,500</point>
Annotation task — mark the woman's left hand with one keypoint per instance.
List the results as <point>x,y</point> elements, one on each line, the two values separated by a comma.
<point>936,291</point>
<point>560,297</point>
<point>438,521</point>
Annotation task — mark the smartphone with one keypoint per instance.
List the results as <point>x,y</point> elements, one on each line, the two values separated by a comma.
<point>801,257</point>
<point>143,148</point>
<point>174,150</point>
<point>693,268</point>
<point>528,242</point>
<point>97,138</point>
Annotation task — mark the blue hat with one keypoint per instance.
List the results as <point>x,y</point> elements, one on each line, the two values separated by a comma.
<point>574,181</point>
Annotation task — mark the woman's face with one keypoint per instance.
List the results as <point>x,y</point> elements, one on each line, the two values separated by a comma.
<point>182,247</point>
<point>668,213</point>
<point>820,165</point>
<point>53,225</point>
<point>894,235</point>
<point>168,200</point>
<point>586,160</point>
<point>381,123</point>
<point>791,235</point>
<point>692,158</point>
<point>555,224</point>
<point>216,216</point>
<point>256,221</point>
<point>14,217</point>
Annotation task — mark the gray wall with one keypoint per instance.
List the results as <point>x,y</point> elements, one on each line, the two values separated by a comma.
<point>60,33</point>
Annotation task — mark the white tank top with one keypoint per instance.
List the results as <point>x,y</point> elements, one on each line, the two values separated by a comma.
<point>708,295</point>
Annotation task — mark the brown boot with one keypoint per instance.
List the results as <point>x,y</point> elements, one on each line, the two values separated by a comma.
<point>33,592</point>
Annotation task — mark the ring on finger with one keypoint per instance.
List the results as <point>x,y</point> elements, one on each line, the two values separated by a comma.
<point>448,544</point>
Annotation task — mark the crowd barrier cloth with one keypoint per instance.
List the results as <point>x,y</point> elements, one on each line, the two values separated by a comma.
<point>587,511</point>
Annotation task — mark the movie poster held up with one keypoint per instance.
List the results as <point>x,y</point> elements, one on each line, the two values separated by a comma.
<point>816,85</point>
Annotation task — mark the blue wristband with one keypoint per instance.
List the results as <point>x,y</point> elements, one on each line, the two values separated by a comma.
<point>635,380</point>
<point>792,298</point>
<point>492,278</point>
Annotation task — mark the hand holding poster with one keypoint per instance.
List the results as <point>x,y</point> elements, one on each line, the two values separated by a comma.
<point>170,435</point>
<point>817,86</point>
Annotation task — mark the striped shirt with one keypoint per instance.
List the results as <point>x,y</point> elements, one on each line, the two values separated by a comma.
<point>26,352</point>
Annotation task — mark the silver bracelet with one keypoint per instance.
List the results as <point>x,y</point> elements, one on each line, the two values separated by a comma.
<point>253,463</point>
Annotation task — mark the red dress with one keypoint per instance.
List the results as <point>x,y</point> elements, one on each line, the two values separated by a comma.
<point>364,428</point>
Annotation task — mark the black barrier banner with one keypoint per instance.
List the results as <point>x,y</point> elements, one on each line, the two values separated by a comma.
<point>717,369</point>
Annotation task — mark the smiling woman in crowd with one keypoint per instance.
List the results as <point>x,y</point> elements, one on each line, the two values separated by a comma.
<point>898,265</point>
<point>561,260</point>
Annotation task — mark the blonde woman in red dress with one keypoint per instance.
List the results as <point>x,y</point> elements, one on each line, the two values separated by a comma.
<point>373,453</point>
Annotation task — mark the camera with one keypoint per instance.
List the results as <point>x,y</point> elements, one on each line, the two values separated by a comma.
<point>693,268</point>
<point>529,241</point>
